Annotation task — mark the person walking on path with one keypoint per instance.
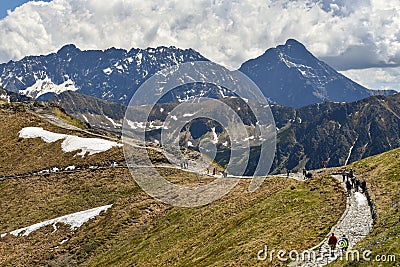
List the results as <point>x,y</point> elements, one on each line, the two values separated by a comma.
<point>214,171</point>
<point>287,173</point>
<point>332,243</point>
<point>356,185</point>
<point>348,187</point>
<point>344,175</point>
<point>353,181</point>
<point>351,174</point>
<point>344,244</point>
<point>363,186</point>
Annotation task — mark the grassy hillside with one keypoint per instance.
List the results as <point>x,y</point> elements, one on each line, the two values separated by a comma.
<point>18,156</point>
<point>138,230</point>
<point>382,173</point>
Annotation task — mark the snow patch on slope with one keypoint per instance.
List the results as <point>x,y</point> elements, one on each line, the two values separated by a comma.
<point>71,142</point>
<point>215,136</point>
<point>115,124</point>
<point>108,71</point>
<point>152,125</point>
<point>45,85</point>
<point>4,97</point>
<point>350,151</point>
<point>74,220</point>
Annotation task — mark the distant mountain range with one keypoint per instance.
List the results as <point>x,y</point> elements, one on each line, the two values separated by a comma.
<point>112,75</point>
<point>96,87</point>
<point>288,75</point>
<point>336,133</point>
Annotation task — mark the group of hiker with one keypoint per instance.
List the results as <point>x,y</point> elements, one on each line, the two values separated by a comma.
<point>185,164</point>
<point>352,182</point>
<point>333,241</point>
<point>306,174</point>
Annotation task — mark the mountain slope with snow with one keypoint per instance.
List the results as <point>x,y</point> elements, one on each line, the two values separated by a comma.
<point>113,74</point>
<point>288,75</point>
<point>291,76</point>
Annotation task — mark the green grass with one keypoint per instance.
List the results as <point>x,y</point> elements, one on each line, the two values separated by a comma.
<point>68,118</point>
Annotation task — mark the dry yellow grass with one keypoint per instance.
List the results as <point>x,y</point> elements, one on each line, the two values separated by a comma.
<point>19,156</point>
<point>283,213</point>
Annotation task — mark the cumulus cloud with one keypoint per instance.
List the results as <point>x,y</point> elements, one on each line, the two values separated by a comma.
<point>376,78</point>
<point>347,34</point>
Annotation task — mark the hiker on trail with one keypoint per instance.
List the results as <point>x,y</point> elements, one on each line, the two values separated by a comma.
<point>304,172</point>
<point>348,187</point>
<point>363,186</point>
<point>356,185</point>
<point>332,243</point>
<point>344,175</point>
<point>353,181</point>
<point>351,174</point>
<point>287,173</point>
<point>214,171</point>
<point>344,243</point>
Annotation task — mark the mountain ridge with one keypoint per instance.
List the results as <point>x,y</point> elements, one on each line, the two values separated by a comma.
<point>306,136</point>
<point>291,76</point>
<point>288,75</point>
<point>112,74</point>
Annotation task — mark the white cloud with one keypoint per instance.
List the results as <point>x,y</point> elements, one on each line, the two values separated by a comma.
<point>376,78</point>
<point>227,32</point>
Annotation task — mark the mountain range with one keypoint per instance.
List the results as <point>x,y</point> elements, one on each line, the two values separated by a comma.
<point>95,86</point>
<point>69,199</point>
<point>337,133</point>
<point>287,75</point>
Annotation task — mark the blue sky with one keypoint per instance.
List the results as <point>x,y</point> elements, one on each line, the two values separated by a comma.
<point>359,38</point>
<point>11,5</point>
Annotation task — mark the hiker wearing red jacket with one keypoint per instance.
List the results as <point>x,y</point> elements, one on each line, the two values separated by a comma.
<point>332,243</point>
